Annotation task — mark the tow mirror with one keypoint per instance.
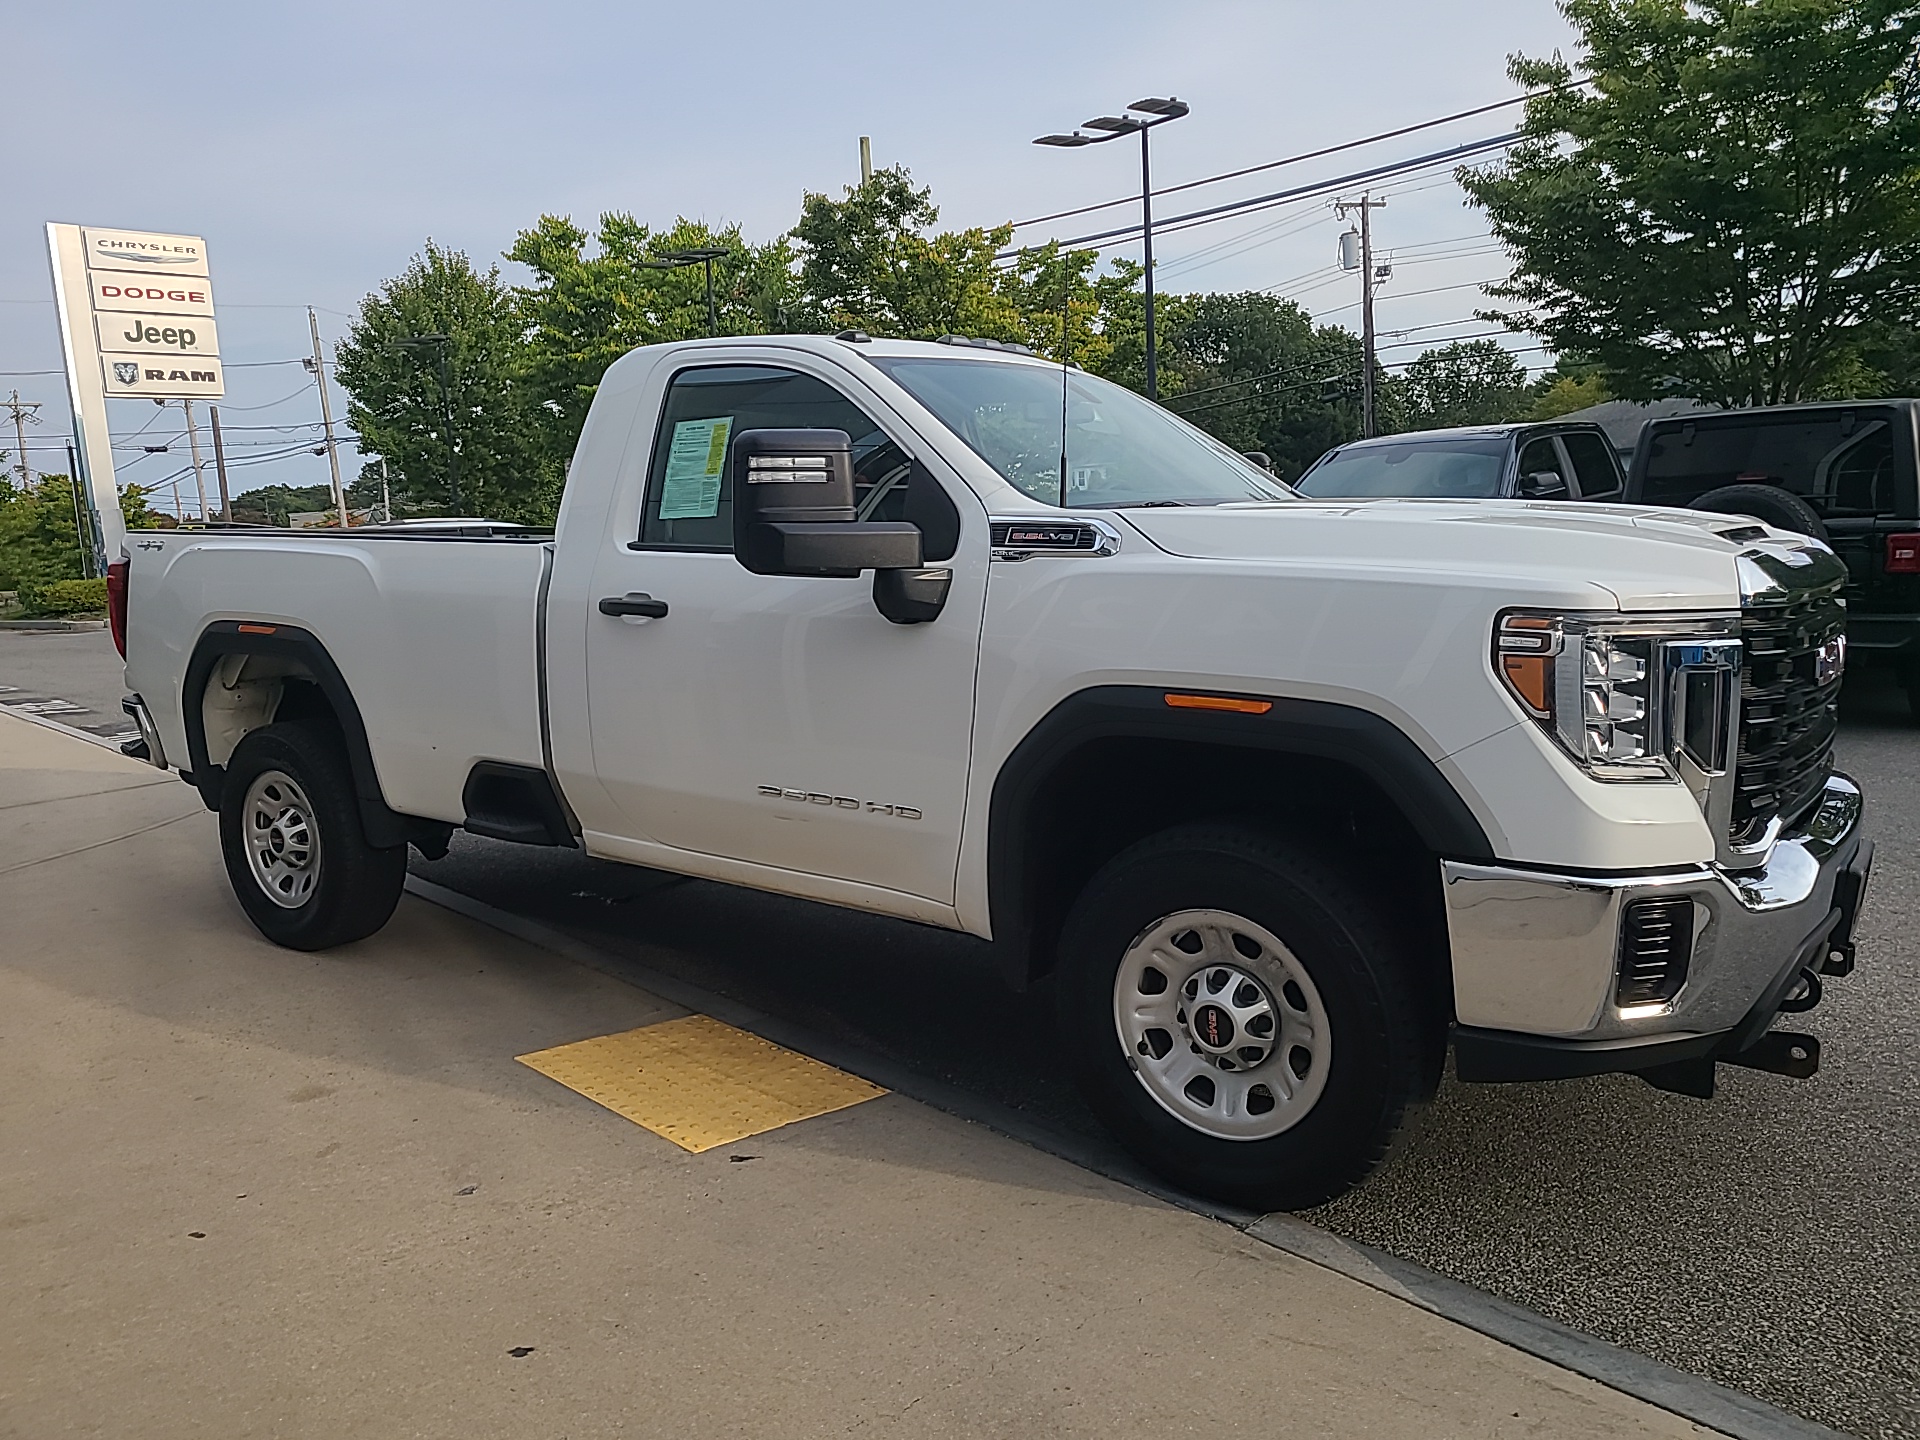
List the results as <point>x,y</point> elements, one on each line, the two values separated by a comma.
<point>1543,485</point>
<point>793,509</point>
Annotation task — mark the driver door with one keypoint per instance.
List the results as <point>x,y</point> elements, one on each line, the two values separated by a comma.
<point>781,721</point>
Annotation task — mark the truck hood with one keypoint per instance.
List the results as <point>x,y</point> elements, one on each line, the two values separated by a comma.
<point>1647,559</point>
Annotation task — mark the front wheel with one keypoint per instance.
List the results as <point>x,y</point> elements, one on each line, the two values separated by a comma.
<point>290,834</point>
<point>1240,1019</point>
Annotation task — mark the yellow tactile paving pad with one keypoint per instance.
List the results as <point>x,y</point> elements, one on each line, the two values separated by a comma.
<point>699,1083</point>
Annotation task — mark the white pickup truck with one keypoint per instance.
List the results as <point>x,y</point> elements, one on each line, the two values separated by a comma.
<point>1289,797</point>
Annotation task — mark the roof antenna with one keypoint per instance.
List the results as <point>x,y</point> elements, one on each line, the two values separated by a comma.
<point>1066,311</point>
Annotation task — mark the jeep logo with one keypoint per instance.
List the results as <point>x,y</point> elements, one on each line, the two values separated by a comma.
<point>177,336</point>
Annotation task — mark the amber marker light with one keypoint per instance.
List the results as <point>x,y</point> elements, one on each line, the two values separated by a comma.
<point>256,629</point>
<point>1526,646</point>
<point>1219,702</point>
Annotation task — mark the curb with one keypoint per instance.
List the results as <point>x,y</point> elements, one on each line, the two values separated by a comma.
<point>55,625</point>
<point>1692,1397</point>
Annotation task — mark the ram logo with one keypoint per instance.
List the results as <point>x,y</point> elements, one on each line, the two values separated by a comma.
<point>839,802</point>
<point>125,371</point>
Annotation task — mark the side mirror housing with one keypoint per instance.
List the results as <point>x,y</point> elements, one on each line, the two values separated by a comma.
<point>1543,485</point>
<point>793,509</point>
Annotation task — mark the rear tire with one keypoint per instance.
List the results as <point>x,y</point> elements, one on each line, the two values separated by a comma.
<point>1220,926</point>
<point>295,853</point>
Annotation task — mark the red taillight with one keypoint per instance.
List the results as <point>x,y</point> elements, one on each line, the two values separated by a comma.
<point>117,604</point>
<point>1903,554</point>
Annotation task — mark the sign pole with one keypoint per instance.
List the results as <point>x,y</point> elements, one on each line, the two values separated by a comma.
<point>86,392</point>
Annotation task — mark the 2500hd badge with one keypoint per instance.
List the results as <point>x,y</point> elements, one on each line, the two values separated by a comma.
<point>840,802</point>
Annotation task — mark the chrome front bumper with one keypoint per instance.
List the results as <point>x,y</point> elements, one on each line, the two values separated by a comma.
<point>1536,953</point>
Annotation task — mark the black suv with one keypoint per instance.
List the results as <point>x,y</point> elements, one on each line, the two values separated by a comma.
<point>1556,460</point>
<point>1845,471</point>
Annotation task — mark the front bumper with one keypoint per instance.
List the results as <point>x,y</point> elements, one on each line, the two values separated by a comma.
<point>1536,954</point>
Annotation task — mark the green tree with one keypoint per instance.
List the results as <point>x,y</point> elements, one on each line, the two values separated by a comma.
<point>1251,370</point>
<point>595,297</point>
<point>38,540</point>
<point>867,263</point>
<point>400,409</point>
<point>1729,191</point>
<point>1470,382</point>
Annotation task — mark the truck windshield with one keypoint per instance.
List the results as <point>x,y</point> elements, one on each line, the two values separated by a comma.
<point>1121,449</point>
<point>1465,468</point>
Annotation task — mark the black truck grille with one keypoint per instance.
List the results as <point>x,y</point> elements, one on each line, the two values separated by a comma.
<point>1789,694</point>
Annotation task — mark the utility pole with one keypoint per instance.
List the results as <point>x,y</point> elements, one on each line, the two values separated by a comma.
<point>326,416</point>
<point>220,467</point>
<point>386,495</point>
<point>866,159</point>
<point>1366,205</point>
<point>199,473</point>
<point>22,413</point>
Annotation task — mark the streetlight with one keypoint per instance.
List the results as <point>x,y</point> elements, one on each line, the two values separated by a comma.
<point>441,343</point>
<point>704,255</point>
<point>1114,127</point>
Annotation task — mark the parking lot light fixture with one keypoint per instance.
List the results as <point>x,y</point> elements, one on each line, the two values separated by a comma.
<point>702,255</point>
<point>1112,127</point>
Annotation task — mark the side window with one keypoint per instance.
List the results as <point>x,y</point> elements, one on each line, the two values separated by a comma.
<point>1541,457</point>
<point>1593,464</point>
<point>689,503</point>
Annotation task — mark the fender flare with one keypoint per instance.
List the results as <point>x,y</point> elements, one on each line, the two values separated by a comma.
<point>1369,743</point>
<point>383,826</point>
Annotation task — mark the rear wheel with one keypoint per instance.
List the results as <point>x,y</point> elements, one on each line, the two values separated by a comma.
<point>290,834</point>
<point>1239,1018</point>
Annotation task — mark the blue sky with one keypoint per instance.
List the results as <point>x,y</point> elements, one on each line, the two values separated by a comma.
<point>317,146</point>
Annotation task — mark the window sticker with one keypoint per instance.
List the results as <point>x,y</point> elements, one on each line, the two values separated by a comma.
<point>695,462</point>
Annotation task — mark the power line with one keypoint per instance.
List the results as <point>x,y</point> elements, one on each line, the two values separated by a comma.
<point>1291,159</point>
<point>1279,197</point>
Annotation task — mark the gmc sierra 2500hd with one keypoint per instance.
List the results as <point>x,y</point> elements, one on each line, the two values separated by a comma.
<point>1288,795</point>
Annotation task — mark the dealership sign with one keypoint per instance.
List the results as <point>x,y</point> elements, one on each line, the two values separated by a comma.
<point>136,322</point>
<point>143,288</point>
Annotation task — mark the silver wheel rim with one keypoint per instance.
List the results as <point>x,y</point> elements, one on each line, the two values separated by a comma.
<point>1222,1025</point>
<point>282,840</point>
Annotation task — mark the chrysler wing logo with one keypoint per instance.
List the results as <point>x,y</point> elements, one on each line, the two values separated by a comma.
<point>126,371</point>
<point>1830,660</point>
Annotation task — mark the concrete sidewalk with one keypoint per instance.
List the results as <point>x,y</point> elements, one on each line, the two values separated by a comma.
<point>248,1192</point>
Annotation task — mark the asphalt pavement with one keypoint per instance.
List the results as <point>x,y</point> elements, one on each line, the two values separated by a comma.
<point>1768,1239</point>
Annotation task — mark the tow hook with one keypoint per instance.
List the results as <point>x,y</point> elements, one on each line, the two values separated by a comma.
<point>1781,1052</point>
<point>1804,996</point>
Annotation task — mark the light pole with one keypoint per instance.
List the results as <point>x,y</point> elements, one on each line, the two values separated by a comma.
<point>441,343</point>
<point>704,255</point>
<point>1114,126</point>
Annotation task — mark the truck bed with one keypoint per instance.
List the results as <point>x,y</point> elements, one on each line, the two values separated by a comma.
<point>435,632</point>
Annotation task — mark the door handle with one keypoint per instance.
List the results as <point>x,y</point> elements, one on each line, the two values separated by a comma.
<point>637,602</point>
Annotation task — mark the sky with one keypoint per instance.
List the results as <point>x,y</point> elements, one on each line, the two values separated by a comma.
<point>316,148</point>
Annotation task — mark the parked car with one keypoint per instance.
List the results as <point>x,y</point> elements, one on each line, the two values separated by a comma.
<point>1844,472</point>
<point>1288,795</point>
<point>1550,461</point>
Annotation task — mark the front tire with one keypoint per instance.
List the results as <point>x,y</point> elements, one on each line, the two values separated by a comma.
<point>1240,1018</point>
<point>290,834</point>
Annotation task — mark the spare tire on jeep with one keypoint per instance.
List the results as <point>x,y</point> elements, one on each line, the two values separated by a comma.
<point>1767,503</point>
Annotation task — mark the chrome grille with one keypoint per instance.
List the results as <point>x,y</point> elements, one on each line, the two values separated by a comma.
<point>1788,711</point>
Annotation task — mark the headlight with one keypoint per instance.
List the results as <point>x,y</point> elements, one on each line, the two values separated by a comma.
<point>1629,699</point>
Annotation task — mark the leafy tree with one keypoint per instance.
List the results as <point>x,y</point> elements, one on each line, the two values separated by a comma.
<point>868,264</point>
<point>595,297</point>
<point>401,411</point>
<point>38,541</point>
<point>1251,370</point>
<point>1469,382</point>
<point>1732,192</point>
<point>1563,394</point>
